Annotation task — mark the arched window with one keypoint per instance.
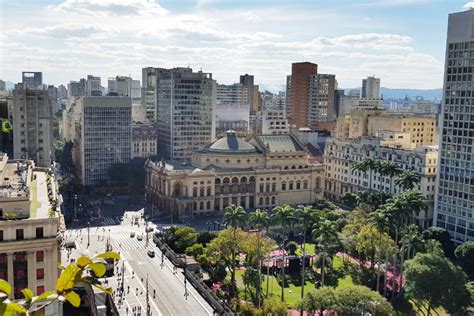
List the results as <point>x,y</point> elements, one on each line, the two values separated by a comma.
<point>252,179</point>
<point>209,191</point>
<point>305,184</point>
<point>194,206</point>
<point>201,205</point>
<point>209,205</point>
<point>291,185</point>
<point>260,201</point>
<point>267,201</point>
<point>201,191</point>
<point>298,185</point>
<point>273,200</point>
<point>235,180</point>
<point>243,180</point>
<point>195,192</point>
<point>226,180</point>
<point>318,183</point>
<point>283,186</point>
<point>177,189</point>
<point>218,181</point>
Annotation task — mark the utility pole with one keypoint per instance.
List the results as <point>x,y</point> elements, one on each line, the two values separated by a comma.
<point>148,312</point>
<point>88,234</point>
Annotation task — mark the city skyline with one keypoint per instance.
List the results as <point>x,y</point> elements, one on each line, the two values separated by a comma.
<point>70,39</point>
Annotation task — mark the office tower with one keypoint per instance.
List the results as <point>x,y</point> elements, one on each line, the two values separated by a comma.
<point>30,245</point>
<point>186,104</point>
<point>124,86</point>
<point>62,92</point>
<point>229,94</point>
<point>76,88</point>
<point>32,119</point>
<point>299,97</point>
<point>248,83</point>
<point>53,98</point>
<point>321,108</point>
<point>93,87</point>
<point>454,209</point>
<point>32,80</point>
<point>279,100</point>
<point>103,137</point>
<point>149,96</point>
<point>338,101</point>
<point>371,88</point>
<point>2,85</point>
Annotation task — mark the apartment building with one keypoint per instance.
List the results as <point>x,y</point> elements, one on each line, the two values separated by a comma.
<point>32,119</point>
<point>144,138</point>
<point>30,227</point>
<point>341,155</point>
<point>274,122</point>
<point>370,88</point>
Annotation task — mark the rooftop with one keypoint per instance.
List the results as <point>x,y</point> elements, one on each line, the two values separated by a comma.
<point>280,143</point>
<point>13,178</point>
<point>230,144</point>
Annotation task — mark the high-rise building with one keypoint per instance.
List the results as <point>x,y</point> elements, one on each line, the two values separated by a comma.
<point>248,84</point>
<point>124,86</point>
<point>53,98</point>
<point>186,104</point>
<point>103,137</point>
<point>93,87</point>
<point>371,88</point>
<point>338,101</point>
<point>321,106</point>
<point>229,94</point>
<point>454,209</point>
<point>30,245</point>
<point>149,92</point>
<point>274,122</point>
<point>32,80</point>
<point>3,86</point>
<point>32,118</point>
<point>143,141</point>
<point>76,88</point>
<point>62,92</point>
<point>299,95</point>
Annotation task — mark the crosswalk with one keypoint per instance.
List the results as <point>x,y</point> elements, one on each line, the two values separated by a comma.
<point>123,241</point>
<point>111,220</point>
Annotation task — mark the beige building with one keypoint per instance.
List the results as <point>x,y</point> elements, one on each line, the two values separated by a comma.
<point>421,129</point>
<point>143,141</point>
<point>30,228</point>
<point>274,122</point>
<point>340,156</point>
<point>263,172</point>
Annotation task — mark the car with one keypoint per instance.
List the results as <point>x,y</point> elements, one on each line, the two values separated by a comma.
<point>151,253</point>
<point>140,237</point>
<point>132,235</point>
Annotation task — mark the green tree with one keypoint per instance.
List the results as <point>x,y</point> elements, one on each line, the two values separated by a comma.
<point>321,299</point>
<point>465,255</point>
<point>443,236</point>
<point>354,299</point>
<point>369,165</point>
<point>274,308</point>
<point>408,180</point>
<point>349,200</point>
<point>235,216</point>
<point>195,250</point>
<point>284,215</point>
<point>184,237</point>
<point>389,169</point>
<point>435,281</point>
<point>327,240</point>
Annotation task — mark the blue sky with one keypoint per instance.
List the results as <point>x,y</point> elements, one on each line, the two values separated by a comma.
<point>400,41</point>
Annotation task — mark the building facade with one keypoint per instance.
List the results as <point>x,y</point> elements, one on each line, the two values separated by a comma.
<point>103,137</point>
<point>247,82</point>
<point>32,80</point>
<point>186,105</point>
<point>30,228</point>
<point>321,107</point>
<point>340,156</point>
<point>299,92</point>
<point>371,88</point>
<point>455,196</point>
<point>144,141</point>
<point>32,119</point>
<point>263,172</point>
<point>274,122</point>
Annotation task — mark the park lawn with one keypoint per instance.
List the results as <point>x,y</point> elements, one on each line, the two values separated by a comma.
<point>292,292</point>
<point>34,198</point>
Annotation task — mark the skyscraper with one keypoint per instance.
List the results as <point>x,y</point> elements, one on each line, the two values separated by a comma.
<point>299,92</point>
<point>32,80</point>
<point>371,88</point>
<point>93,87</point>
<point>185,104</point>
<point>32,119</point>
<point>454,208</point>
<point>321,106</point>
<point>248,83</point>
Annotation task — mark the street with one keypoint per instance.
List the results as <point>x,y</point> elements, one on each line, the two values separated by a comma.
<point>165,285</point>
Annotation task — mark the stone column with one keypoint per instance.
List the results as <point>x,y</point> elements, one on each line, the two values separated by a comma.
<point>10,269</point>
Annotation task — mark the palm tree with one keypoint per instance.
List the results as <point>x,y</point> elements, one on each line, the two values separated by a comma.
<point>283,215</point>
<point>369,164</point>
<point>234,216</point>
<point>259,219</point>
<point>390,169</point>
<point>325,234</point>
<point>407,180</point>
<point>306,216</point>
<point>361,166</point>
<point>409,204</point>
<point>411,240</point>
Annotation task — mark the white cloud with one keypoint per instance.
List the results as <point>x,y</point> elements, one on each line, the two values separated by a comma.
<point>469,5</point>
<point>65,31</point>
<point>393,3</point>
<point>113,7</point>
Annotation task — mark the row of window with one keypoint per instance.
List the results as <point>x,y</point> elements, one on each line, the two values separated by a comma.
<point>19,233</point>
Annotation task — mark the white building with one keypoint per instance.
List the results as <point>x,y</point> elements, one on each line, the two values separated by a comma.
<point>186,106</point>
<point>274,122</point>
<point>93,87</point>
<point>371,88</point>
<point>124,86</point>
<point>144,139</point>
<point>31,227</point>
<point>32,119</point>
<point>340,156</point>
<point>103,137</point>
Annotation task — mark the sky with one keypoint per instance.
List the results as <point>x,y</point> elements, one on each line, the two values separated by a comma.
<point>400,41</point>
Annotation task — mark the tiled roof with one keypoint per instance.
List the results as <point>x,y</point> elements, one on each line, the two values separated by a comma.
<point>280,143</point>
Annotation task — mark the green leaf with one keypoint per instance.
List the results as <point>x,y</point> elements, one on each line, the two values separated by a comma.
<point>98,268</point>
<point>11,309</point>
<point>73,298</point>
<point>107,290</point>
<point>67,279</point>
<point>43,296</point>
<point>5,287</point>
<point>83,261</point>
<point>28,294</point>
<point>109,255</point>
